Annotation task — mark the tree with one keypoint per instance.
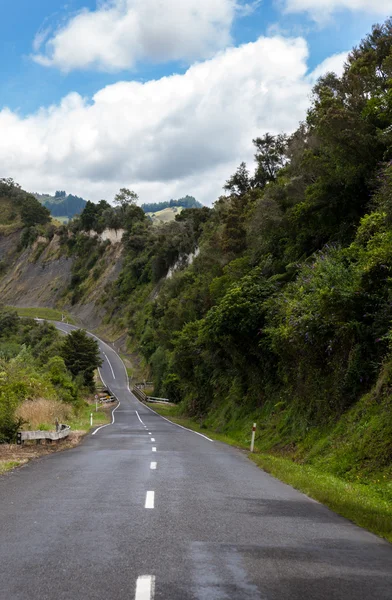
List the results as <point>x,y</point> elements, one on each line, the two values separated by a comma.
<point>239,183</point>
<point>9,321</point>
<point>270,158</point>
<point>89,215</point>
<point>32,212</point>
<point>125,197</point>
<point>81,355</point>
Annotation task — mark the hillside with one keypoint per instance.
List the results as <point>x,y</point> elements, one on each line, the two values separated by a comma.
<point>185,202</point>
<point>283,313</point>
<point>62,206</point>
<point>165,215</point>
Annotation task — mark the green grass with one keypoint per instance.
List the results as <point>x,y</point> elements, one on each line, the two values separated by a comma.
<point>166,215</point>
<point>365,505</point>
<point>172,412</point>
<point>44,313</point>
<point>8,465</point>
<point>10,220</point>
<point>81,420</point>
<point>369,505</point>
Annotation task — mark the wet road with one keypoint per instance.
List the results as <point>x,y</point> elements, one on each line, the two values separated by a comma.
<point>144,510</point>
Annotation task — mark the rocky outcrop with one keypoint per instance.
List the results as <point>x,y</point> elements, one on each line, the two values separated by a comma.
<point>37,276</point>
<point>40,276</point>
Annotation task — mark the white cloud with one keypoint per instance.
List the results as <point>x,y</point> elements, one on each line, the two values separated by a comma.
<point>121,32</point>
<point>334,63</point>
<point>322,9</point>
<point>179,134</point>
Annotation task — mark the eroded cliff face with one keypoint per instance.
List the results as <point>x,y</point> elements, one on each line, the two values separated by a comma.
<point>36,276</point>
<point>40,276</point>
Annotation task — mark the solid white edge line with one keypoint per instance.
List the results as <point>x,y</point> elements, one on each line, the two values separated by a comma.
<point>110,365</point>
<point>176,424</point>
<point>107,425</point>
<point>150,498</point>
<point>100,374</point>
<point>145,587</point>
<point>127,379</point>
<point>139,417</point>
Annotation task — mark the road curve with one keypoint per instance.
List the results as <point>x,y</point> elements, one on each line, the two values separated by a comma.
<point>145,510</point>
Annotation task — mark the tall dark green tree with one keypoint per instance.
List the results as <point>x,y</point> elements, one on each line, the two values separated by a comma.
<point>32,212</point>
<point>81,355</point>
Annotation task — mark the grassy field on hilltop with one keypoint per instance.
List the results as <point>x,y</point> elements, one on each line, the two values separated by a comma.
<point>50,314</point>
<point>166,215</point>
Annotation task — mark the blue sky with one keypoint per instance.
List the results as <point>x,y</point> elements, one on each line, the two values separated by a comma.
<point>97,69</point>
<point>25,85</point>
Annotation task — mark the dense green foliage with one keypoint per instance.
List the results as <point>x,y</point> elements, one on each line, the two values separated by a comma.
<point>62,204</point>
<point>25,205</point>
<point>30,368</point>
<point>81,356</point>
<point>287,308</point>
<point>186,202</point>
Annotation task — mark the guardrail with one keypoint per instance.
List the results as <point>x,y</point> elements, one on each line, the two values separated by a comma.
<point>143,384</point>
<point>62,432</point>
<point>140,395</point>
<point>152,399</point>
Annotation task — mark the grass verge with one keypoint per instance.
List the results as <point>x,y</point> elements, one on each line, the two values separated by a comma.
<point>81,420</point>
<point>8,465</point>
<point>367,505</point>
<point>12,455</point>
<point>44,313</point>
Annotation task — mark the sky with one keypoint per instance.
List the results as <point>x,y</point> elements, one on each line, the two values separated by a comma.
<point>161,96</point>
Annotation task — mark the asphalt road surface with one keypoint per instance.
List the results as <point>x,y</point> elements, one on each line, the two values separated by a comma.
<point>144,509</point>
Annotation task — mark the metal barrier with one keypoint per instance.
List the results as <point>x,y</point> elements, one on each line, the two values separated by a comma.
<point>140,395</point>
<point>152,399</point>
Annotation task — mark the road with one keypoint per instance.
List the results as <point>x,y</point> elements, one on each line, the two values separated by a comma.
<point>144,509</point>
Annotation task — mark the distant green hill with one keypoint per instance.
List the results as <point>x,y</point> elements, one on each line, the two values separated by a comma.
<point>62,205</point>
<point>186,202</point>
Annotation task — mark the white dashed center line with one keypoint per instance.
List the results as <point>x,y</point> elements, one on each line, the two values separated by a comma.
<point>145,588</point>
<point>154,449</point>
<point>153,439</point>
<point>150,496</point>
<point>153,466</point>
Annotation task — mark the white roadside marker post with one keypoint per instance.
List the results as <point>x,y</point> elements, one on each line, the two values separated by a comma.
<point>91,419</point>
<point>252,444</point>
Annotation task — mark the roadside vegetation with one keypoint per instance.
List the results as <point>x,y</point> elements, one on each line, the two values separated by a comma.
<point>365,498</point>
<point>284,317</point>
<point>39,379</point>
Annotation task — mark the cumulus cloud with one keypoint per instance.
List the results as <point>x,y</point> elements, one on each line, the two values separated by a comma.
<point>334,63</point>
<point>164,138</point>
<point>322,9</point>
<point>121,32</point>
